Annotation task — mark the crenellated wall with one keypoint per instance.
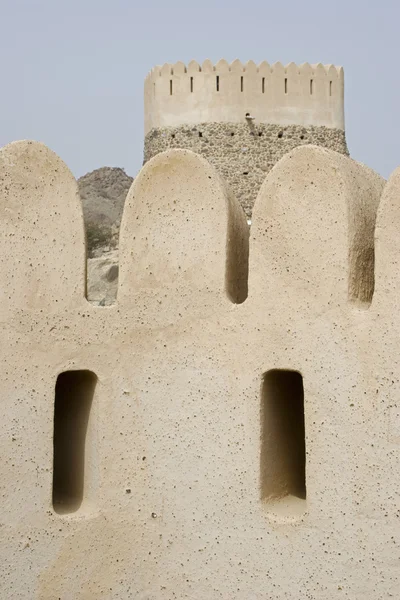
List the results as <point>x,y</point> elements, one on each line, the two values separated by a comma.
<point>283,95</point>
<point>230,427</point>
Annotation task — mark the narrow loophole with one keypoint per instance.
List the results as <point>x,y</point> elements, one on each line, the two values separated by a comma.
<point>285,85</point>
<point>263,85</point>
<point>191,84</point>
<point>217,82</point>
<point>283,447</point>
<point>311,86</point>
<point>241,84</point>
<point>170,87</point>
<point>330,88</point>
<point>73,440</point>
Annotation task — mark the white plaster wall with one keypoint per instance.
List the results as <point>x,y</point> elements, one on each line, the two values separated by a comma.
<point>312,94</point>
<point>176,509</point>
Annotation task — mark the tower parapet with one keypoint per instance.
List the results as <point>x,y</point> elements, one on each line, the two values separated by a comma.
<point>242,117</point>
<point>283,95</point>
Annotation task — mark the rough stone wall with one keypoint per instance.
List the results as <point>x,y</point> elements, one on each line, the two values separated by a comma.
<point>192,483</point>
<point>242,153</point>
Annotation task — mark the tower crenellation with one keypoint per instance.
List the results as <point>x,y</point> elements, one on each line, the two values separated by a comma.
<point>176,94</point>
<point>243,117</point>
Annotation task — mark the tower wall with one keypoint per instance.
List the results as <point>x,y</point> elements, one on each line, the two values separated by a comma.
<point>203,108</point>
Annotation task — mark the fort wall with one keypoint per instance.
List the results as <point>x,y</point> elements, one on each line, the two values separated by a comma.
<point>229,440</point>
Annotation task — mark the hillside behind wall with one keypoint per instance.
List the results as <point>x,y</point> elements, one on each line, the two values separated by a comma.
<point>203,108</point>
<point>235,413</point>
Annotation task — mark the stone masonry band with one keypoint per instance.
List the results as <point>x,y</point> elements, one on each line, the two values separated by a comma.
<point>242,153</point>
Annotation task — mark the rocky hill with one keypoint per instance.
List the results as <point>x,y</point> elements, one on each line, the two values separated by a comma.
<point>103,194</point>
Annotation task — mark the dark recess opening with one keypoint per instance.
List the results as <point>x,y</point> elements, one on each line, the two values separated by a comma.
<point>285,85</point>
<point>330,88</point>
<point>241,84</point>
<point>73,400</point>
<point>191,84</point>
<point>217,83</point>
<point>263,85</point>
<point>283,447</point>
<point>311,86</point>
<point>170,87</point>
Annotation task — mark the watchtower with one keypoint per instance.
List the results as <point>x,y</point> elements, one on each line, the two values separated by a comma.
<point>242,117</point>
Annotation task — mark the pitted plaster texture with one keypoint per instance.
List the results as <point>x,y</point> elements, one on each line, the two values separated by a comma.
<point>242,153</point>
<point>179,499</point>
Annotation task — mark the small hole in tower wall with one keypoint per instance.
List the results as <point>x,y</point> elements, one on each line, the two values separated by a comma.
<point>286,86</point>
<point>311,86</point>
<point>170,87</point>
<point>283,448</point>
<point>330,88</point>
<point>217,82</point>
<point>241,84</point>
<point>191,84</point>
<point>263,85</point>
<point>74,394</point>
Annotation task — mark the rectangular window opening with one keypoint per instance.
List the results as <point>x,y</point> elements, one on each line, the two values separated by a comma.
<point>217,82</point>
<point>241,84</point>
<point>285,85</point>
<point>330,88</point>
<point>191,84</point>
<point>170,87</point>
<point>283,447</point>
<point>263,85</point>
<point>311,86</point>
<point>71,439</point>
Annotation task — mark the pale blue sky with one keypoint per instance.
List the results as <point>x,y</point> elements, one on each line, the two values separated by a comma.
<point>72,71</point>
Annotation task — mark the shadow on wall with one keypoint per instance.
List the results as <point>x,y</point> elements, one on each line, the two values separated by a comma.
<point>74,394</point>
<point>283,448</point>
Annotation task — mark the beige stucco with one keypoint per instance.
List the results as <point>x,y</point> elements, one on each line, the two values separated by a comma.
<point>284,95</point>
<point>182,497</point>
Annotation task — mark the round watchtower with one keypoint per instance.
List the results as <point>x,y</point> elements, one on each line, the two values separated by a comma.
<point>243,118</point>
